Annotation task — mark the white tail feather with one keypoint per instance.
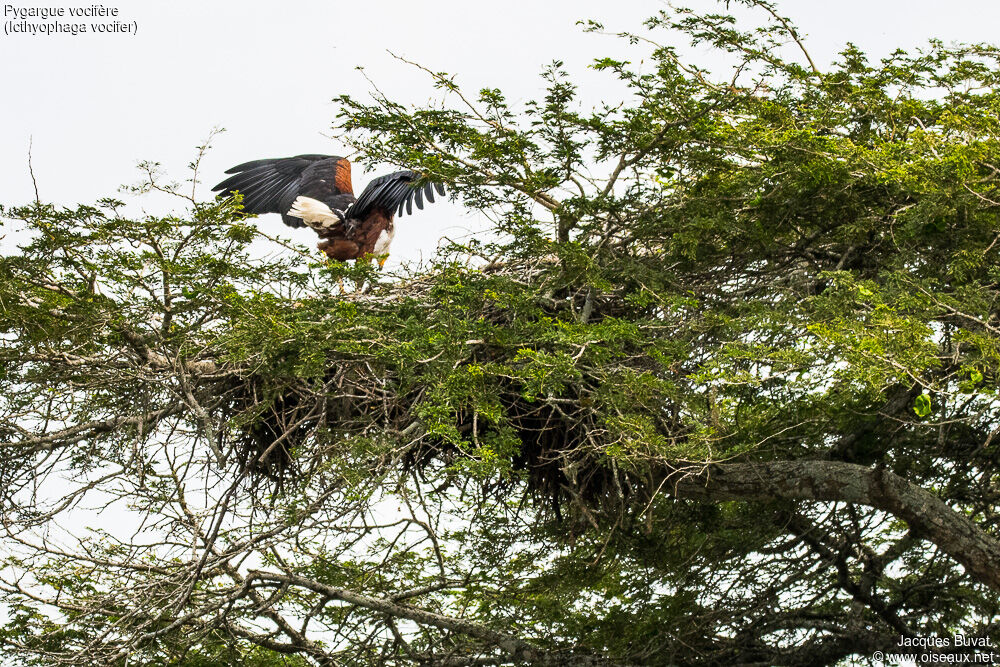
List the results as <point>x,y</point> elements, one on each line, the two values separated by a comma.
<point>313,212</point>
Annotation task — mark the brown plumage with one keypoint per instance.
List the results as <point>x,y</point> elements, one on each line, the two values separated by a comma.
<point>316,191</point>
<point>362,240</point>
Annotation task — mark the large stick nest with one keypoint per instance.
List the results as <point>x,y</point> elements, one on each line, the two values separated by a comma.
<point>284,428</point>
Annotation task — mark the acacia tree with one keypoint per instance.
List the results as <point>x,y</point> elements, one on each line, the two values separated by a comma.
<point>721,390</point>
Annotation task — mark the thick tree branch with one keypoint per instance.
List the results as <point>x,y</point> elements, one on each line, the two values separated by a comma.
<point>74,434</point>
<point>927,515</point>
<point>512,646</point>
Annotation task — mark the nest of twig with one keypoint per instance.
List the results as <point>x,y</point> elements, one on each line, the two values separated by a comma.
<point>282,432</point>
<point>278,430</point>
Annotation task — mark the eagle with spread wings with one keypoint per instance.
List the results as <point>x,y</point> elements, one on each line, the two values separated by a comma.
<point>315,191</point>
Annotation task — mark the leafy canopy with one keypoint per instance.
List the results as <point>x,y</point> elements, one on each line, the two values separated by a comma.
<point>721,388</point>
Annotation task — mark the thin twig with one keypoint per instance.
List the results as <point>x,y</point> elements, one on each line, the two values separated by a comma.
<point>31,171</point>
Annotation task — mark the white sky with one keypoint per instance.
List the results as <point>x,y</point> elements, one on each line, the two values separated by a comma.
<point>267,72</point>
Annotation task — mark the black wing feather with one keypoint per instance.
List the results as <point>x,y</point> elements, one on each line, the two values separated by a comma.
<point>271,185</point>
<point>392,193</point>
<point>258,199</point>
<point>271,163</point>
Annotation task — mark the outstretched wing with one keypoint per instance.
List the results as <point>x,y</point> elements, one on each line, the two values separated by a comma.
<point>390,193</point>
<point>272,185</point>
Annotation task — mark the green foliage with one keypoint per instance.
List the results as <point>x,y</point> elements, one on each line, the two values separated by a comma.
<point>773,263</point>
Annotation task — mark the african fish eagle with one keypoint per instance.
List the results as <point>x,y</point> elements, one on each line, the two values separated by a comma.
<point>316,191</point>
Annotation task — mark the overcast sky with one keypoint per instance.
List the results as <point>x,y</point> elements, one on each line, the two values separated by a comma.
<point>96,104</point>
